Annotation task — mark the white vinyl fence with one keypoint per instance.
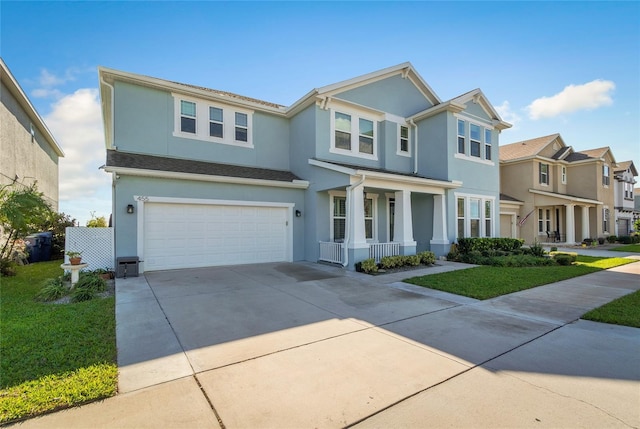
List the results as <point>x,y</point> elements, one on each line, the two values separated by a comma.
<point>96,245</point>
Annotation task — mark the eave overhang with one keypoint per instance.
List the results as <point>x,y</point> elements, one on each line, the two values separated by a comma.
<point>568,198</point>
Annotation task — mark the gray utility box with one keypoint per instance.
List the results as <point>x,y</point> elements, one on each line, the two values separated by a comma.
<point>127,266</point>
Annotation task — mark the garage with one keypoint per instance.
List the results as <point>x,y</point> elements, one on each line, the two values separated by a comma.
<point>189,235</point>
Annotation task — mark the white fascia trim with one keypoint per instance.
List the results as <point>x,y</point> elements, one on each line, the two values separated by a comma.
<point>511,203</point>
<point>449,106</point>
<point>363,79</point>
<point>24,102</point>
<point>339,103</point>
<point>295,184</point>
<point>187,90</point>
<point>566,197</point>
<point>202,201</point>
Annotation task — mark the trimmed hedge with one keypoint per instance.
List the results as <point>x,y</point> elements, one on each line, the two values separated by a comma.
<point>466,245</point>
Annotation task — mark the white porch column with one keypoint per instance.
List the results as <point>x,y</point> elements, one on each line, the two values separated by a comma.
<point>585,222</point>
<point>439,221</point>
<point>403,224</point>
<point>355,216</point>
<point>570,223</point>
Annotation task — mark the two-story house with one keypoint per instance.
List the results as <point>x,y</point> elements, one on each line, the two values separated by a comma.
<point>563,195</point>
<point>28,151</point>
<point>624,179</point>
<point>375,165</point>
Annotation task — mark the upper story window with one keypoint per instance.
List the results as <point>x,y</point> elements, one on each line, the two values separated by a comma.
<point>605,175</point>
<point>216,124</point>
<point>564,175</point>
<point>226,124</point>
<point>353,135</point>
<point>403,140</point>
<point>461,136</point>
<point>187,117</point>
<point>487,144</point>
<point>544,174</point>
<point>474,133</point>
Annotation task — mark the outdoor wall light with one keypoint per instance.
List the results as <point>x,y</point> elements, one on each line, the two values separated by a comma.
<point>130,208</point>
<point>298,213</point>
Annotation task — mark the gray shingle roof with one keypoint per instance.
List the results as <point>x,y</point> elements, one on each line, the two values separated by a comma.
<point>505,197</point>
<point>177,165</point>
<point>377,170</point>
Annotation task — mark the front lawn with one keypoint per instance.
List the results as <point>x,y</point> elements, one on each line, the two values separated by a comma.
<point>623,311</point>
<point>53,355</point>
<point>485,282</point>
<point>628,248</point>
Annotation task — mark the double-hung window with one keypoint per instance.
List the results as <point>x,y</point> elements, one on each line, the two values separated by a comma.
<point>339,218</point>
<point>487,219</point>
<point>461,136</point>
<point>474,216</point>
<point>564,175</point>
<point>461,217</point>
<point>403,140</point>
<point>368,218</point>
<point>487,144</point>
<point>544,174</point>
<point>474,134</point>
<point>216,124</point>
<point>242,127</point>
<point>544,220</point>
<point>187,117</point>
<point>353,134</point>
<point>605,175</point>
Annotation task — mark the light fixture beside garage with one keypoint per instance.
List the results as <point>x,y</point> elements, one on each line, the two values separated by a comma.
<point>130,208</point>
<point>298,213</point>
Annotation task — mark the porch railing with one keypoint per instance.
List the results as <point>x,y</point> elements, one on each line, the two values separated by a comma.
<point>331,252</point>
<point>378,250</point>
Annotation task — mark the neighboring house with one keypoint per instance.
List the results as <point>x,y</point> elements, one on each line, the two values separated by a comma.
<point>375,165</point>
<point>28,151</point>
<point>565,196</point>
<point>624,175</point>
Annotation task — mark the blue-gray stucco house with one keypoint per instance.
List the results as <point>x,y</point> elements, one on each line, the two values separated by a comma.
<point>375,165</point>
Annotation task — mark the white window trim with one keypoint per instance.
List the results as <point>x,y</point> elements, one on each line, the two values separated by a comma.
<point>474,159</point>
<point>400,152</point>
<point>355,134</point>
<point>606,185</point>
<point>374,206</point>
<point>540,164</point>
<point>547,221</point>
<point>202,118</point>
<point>484,126</point>
<point>467,212</point>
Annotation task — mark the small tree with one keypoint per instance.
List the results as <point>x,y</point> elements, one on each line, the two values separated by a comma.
<point>57,223</point>
<point>96,222</point>
<point>21,212</point>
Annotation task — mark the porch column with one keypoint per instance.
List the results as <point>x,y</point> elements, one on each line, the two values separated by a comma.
<point>403,224</point>
<point>585,222</point>
<point>570,223</point>
<point>355,216</point>
<point>439,221</point>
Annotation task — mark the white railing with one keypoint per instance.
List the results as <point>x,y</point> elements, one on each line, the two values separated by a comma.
<point>379,250</point>
<point>331,252</point>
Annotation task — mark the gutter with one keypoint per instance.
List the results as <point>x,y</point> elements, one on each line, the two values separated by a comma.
<point>415,153</point>
<point>111,126</point>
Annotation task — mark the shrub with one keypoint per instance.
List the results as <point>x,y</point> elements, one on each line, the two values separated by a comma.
<point>369,266</point>
<point>466,245</point>
<point>412,260</point>
<point>52,290</point>
<point>536,249</point>
<point>554,249</point>
<point>612,239</point>
<point>80,294</point>
<point>563,259</point>
<point>473,257</point>
<point>92,282</point>
<point>427,257</point>
<point>454,253</point>
<point>7,267</point>
<point>388,262</point>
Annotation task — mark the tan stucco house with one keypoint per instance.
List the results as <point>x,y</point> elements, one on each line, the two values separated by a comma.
<point>549,192</point>
<point>28,150</point>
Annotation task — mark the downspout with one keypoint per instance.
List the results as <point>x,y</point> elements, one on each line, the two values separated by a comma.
<point>347,226</point>
<point>111,125</point>
<point>415,153</point>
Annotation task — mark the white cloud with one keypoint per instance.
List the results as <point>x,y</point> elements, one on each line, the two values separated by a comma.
<point>75,121</point>
<point>588,96</point>
<point>505,112</point>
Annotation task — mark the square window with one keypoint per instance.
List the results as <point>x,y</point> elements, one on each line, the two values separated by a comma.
<point>215,129</point>
<point>241,134</point>
<point>215,114</point>
<point>241,119</point>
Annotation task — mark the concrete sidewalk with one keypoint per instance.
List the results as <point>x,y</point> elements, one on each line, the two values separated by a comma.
<point>306,345</point>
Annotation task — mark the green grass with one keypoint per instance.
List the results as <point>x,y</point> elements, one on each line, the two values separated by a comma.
<point>485,282</point>
<point>53,355</point>
<point>623,311</point>
<point>628,248</point>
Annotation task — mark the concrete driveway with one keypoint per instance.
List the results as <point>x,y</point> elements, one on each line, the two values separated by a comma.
<point>304,345</point>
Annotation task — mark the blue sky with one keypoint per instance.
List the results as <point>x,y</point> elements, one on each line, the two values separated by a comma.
<point>548,67</point>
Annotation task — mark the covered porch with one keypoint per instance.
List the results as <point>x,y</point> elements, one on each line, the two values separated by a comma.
<point>384,214</point>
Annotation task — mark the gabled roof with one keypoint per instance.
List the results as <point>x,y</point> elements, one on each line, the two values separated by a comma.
<point>624,166</point>
<point>14,88</point>
<point>594,154</point>
<point>505,197</point>
<point>118,159</point>
<point>527,148</point>
<point>458,104</point>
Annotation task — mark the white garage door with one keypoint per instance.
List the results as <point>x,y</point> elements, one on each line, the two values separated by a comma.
<point>199,235</point>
